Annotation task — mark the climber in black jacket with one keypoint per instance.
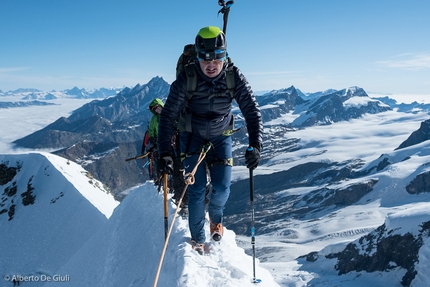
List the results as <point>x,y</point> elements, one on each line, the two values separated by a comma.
<point>205,118</point>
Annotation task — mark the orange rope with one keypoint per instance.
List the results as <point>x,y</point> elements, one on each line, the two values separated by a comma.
<point>188,181</point>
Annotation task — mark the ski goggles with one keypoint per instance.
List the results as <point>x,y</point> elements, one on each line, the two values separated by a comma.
<point>155,107</point>
<point>212,55</point>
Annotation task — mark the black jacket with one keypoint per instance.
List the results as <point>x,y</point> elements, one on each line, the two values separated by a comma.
<point>211,115</point>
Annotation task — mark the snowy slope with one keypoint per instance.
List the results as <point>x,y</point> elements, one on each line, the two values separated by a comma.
<point>74,232</point>
<point>384,257</point>
<point>373,139</point>
<point>127,252</point>
<point>67,207</point>
<point>68,238</point>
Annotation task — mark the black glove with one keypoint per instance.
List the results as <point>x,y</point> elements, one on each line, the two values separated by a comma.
<point>252,156</point>
<point>165,164</point>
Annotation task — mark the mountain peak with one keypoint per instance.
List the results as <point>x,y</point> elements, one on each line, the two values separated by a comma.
<point>355,91</point>
<point>48,202</point>
<point>74,227</point>
<point>156,79</point>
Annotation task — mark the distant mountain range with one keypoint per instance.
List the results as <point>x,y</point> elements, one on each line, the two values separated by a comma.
<point>21,104</point>
<point>75,92</point>
<point>101,134</point>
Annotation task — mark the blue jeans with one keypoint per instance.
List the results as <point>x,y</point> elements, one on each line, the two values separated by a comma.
<point>220,178</point>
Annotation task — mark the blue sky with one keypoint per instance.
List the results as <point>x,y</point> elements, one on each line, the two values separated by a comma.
<point>381,46</point>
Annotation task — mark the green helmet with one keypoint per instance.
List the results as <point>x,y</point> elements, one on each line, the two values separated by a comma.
<point>211,43</point>
<point>154,103</point>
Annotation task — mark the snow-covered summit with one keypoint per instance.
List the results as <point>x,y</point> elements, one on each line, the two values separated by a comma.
<point>61,224</point>
<point>49,208</point>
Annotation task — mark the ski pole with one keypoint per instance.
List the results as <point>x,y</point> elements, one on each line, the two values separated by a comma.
<point>166,208</point>
<point>251,196</point>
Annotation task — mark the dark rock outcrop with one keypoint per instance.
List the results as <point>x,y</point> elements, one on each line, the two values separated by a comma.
<point>420,184</point>
<point>382,250</point>
<point>418,136</point>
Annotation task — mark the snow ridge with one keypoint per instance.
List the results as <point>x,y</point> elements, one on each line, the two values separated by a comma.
<point>127,252</point>
<point>74,231</point>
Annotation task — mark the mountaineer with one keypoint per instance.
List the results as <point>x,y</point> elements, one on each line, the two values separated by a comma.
<point>200,105</point>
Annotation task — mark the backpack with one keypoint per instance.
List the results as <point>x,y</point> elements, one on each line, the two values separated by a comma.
<point>186,62</point>
<point>188,56</point>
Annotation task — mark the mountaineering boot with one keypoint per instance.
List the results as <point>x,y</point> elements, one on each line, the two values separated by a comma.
<point>199,247</point>
<point>216,231</point>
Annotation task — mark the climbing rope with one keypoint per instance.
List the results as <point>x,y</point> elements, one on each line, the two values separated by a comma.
<point>189,180</point>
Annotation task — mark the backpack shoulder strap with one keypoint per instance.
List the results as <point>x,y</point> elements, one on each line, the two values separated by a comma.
<point>230,78</point>
<point>184,123</point>
<point>190,72</point>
